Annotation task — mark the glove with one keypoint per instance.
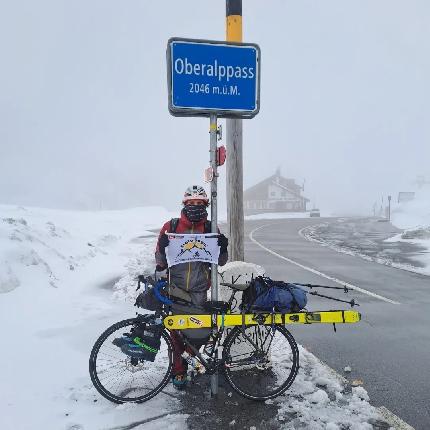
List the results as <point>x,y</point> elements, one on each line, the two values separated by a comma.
<point>163,242</point>
<point>222,242</point>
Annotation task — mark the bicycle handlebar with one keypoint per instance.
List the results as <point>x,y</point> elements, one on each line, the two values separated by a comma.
<point>157,287</point>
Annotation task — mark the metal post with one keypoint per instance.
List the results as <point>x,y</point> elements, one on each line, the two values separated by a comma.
<point>234,169</point>
<point>214,224</point>
<point>389,208</point>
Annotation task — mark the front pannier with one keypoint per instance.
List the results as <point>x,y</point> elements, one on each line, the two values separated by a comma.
<point>265,294</point>
<point>148,337</point>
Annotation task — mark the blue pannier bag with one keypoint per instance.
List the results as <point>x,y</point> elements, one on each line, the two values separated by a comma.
<point>265,294</point>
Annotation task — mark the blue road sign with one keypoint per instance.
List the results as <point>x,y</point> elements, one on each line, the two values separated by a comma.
<point>207,77</point>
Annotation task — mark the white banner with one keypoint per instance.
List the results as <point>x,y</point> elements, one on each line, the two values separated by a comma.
<point>184,248</point>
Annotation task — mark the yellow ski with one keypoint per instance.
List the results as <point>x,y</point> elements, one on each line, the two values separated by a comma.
<point>181,322</point>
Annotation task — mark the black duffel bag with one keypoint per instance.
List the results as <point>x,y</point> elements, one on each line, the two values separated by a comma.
<point>153,294</point>
<point>147,300</point>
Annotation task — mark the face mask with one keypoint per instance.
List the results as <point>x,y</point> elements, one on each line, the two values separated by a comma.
<point>195,213</point>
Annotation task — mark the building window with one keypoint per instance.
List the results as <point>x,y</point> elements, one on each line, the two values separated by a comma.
<point>272,193</point>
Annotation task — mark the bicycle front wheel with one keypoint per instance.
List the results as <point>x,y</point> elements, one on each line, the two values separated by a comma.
<point>261,361</point>
<point>120,378</point>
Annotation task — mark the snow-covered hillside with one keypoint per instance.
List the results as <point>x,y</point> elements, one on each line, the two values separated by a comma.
<point>414,218</point>
<point>413,214</point>
<point>64,278</point>
<point>42,244</point>
<point>57,272</point>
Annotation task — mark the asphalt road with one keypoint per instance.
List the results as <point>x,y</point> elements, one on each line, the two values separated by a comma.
<point>389,350</point>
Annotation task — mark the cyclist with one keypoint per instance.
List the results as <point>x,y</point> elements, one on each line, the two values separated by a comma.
<point>192,277</point>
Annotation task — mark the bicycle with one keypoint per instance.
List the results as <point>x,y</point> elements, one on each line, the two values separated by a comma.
<point>260,358</point>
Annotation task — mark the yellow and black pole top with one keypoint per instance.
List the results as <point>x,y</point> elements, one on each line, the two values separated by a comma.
<point>234,20</point>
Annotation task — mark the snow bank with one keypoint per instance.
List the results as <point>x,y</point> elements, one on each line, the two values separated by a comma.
<point>44,243</point>
<point>49,332</point>
<point>413,214</point>
<point>320,400</point>
<point>414,218</point>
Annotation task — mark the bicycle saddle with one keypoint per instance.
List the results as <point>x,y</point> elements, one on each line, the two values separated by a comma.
<point>238,287</point>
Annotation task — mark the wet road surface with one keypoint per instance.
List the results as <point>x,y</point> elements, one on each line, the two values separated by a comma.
<point>390,349</point>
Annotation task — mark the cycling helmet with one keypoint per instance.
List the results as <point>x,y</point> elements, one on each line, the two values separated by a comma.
<point>195,192</point>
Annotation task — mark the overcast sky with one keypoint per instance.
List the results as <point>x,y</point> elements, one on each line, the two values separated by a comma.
<point>345,100</point>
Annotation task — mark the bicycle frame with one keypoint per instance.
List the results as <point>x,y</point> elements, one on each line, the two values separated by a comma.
<point>217,333</point>
<point>217,322</point>
<point>214,362</point>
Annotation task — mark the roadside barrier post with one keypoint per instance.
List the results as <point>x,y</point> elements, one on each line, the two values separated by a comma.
<point>234,135</point>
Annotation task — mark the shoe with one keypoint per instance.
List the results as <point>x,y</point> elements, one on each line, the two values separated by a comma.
<point>179,381</point>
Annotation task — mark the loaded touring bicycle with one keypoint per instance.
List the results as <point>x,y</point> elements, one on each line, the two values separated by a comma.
<point>250,343</point>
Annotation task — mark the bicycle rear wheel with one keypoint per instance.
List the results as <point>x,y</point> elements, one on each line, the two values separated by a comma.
<point>120,378</point>
<point>261,362</point>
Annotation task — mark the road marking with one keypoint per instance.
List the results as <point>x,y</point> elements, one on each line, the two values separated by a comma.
<point>316,272</point>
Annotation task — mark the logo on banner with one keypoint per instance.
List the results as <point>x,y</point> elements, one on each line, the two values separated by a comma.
<point>193,246</point>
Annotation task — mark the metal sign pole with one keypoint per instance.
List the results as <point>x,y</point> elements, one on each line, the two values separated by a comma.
<point>214,219</point>
<point>220,80</point>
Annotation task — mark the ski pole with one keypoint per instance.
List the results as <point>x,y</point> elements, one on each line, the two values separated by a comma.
<point>344,288</point>
<point>351,302</point>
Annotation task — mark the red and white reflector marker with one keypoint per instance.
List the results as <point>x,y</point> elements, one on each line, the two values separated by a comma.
<point>209,174</point>
<point>221,155</point>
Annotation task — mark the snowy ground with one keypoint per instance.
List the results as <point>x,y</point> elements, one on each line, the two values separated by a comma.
<point>405,244</point>
<point>64,278</point>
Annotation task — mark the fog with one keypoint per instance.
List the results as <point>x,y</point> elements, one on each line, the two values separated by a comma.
<point>345,100</point>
